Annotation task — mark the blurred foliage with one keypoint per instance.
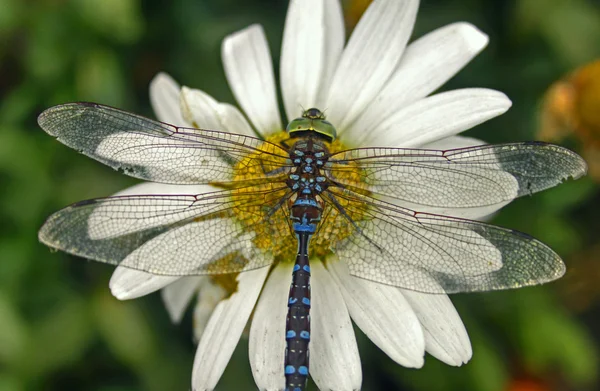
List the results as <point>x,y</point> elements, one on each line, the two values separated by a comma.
<point>61,329</point>
<point>570,111</point>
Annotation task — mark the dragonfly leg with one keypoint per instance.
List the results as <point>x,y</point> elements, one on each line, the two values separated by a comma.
<point>343,212</point>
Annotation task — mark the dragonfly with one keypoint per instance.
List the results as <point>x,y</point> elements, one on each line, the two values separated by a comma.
<point>304,195</point>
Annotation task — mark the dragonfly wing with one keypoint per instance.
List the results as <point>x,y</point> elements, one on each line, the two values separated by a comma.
<point>156,151</point>
<point>437,254</point>
<point>175,235</point>
<point>483,177</point>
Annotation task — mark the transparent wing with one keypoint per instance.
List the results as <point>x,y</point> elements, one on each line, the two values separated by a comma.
<point>489,175</point>
<point>157,151</point>
<point>169,234</point>
<point>437,254</point>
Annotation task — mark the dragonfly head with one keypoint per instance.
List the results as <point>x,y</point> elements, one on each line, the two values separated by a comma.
<point>312,122</point>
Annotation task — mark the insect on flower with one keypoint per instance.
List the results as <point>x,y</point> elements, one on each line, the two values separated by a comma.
<point>300,189</point>
<point>301,197</point>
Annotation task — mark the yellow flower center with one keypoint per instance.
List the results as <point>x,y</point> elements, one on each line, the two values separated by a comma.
<point>263,205</point>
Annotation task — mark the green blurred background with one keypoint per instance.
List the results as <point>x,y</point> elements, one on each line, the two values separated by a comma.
<point>60,329</point>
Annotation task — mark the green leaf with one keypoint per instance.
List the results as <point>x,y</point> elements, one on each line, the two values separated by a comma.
<point>124,328</point>
<point>551,339</point>
<point>59,339</point>
<point>99,77</point>
<point>569,195</point>
<point>13,331</point>
<point>120,20</point>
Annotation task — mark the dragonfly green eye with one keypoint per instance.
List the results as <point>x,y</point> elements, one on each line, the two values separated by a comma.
<point>312,120</point>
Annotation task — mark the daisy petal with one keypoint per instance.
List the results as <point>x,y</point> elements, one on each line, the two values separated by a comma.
<point>210,295</point>
<point>370,57</point>
<point>313,30</point>
<point>249,71</point>
<point>164,98</point>
<point>426,65</point>
<point>302,55</point>
<point>445,335</point>
<point>199,109</point>
<point>477,213</point>
<point>448,249</point>
<point>163,188</point>
<point>126,284</point>
<point>384,315</point>
<point>177,296</point>
<point>472,213</point>
<point>267,334</point>
<point>151,157</point>
<point>234,121</point>
<point>433,59</point>
<point>437,116</point>
<point>334,359</point>
<point>335,36</point>
<point>193,248</point>
<point>98,228</point>
<point>454,142</point>
<point>224,330</point>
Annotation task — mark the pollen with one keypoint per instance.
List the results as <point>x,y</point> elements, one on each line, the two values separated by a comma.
<point>262,204</point>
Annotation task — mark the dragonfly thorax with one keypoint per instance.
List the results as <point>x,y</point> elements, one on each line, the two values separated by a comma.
<point>309,156</point>
<point>312,123</point>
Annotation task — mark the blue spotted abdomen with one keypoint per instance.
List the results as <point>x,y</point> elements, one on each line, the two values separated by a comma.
<point>298,320</point>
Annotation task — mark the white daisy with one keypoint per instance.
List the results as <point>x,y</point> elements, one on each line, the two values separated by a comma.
<point>377,91</point>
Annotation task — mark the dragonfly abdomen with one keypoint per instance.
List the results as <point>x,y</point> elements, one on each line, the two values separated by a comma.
<point>298,319</point>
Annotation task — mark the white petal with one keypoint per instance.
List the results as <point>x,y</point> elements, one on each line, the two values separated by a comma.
<point>313,39</point>
<point>164,98</point>
<point>335,36</point>
<point>334,359</point>
<point>205,112</point>
<point>210,295</point>
<point>177,296</point>
<point>478,213</point>
<point>373,52</point>
<point>426,65</point>
<point>191,248</point>
<point>249,71</point>
<point>384,315</point>
<point>438,116</point>
<point>472,213</point>
<point>169,159</point>
<point>413,250</point>
<point>199,109</point>
<point>126,284</point>
<point>224,330</point>
<point>102,226</point>
<point>267,334</point>
<point>234,121</point>
<point>163,188</point>
<point>302,55</point>
<point>445,335</point>
<point>453,142</point>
